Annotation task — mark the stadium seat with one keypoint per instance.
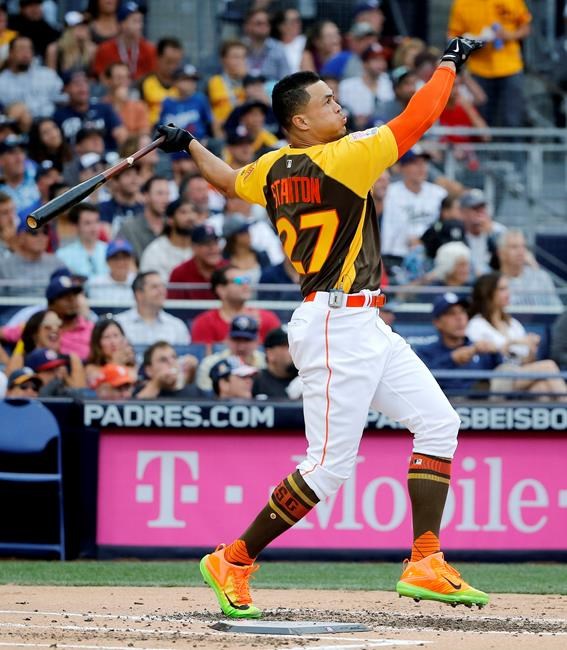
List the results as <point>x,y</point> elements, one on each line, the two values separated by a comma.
<point>31,485</point>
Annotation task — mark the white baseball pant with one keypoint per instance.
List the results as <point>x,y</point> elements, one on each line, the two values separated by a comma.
<point>349,360</point>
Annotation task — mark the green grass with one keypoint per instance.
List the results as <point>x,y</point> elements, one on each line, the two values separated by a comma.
<point>494,578</point>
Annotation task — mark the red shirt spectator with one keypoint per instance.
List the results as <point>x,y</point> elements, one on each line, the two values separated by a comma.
<point>206,258</point>
<point>232,286</point>
<point>211,327</point>
<point>129,47</point>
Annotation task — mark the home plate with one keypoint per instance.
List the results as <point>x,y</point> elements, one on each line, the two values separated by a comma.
<point>287,627</point>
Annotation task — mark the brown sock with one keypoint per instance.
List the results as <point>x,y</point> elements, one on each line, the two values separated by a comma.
<point>428,484</point>
<point>290,501</point>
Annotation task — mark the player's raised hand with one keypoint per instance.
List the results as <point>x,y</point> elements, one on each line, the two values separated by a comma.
<point>459,50</point>
<point>176,139</point>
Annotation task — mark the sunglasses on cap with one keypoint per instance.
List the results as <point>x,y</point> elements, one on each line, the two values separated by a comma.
<point>241,279</point>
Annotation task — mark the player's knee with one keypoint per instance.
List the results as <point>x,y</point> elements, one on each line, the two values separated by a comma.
<point>324,482</point>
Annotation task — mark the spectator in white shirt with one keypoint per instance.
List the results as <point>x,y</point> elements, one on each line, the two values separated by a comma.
<point>173,247</point>
<point>116,285</point>
<point>529,285</point>
<point>147,322</point>
<point>481,232</point>
<point>361,95</point>
<point>411,205</point>
<point>36,86</point>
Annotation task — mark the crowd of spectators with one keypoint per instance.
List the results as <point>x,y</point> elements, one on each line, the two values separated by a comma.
<point>74,100</point>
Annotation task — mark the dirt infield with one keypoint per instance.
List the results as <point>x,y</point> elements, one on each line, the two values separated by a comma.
<point>118,618</point>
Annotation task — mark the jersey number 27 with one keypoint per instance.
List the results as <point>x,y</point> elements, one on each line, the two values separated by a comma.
<point>328,223</point>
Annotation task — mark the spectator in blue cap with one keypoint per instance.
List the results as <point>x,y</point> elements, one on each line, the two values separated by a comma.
<point>24,272</point>
<point>115,286</point>
<point>81,111</point>
<point>453,350</point>
<point>232,379</point>
<point>52,368</point>
<point>18,173</point>
<point>23,383</point>
<point>62,295</point>
<point>241,343</point>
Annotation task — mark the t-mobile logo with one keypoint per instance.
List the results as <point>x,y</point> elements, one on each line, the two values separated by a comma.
<point>166,487</point>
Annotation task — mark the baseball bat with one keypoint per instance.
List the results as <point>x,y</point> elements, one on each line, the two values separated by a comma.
<point>59,204</point>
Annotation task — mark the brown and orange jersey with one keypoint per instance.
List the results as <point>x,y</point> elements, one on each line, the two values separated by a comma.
<point>319,201</point>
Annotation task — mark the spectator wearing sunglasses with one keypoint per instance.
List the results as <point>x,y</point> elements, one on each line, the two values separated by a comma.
<point>207,257</point>
<point>233,288</point>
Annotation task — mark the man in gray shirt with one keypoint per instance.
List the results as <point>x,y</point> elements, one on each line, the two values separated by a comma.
<point>22,81</point>
<point>26,271</point>
<point>266,56</point>
<point>141,230</point>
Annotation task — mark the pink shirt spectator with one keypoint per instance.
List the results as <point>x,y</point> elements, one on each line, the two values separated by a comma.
<point>77,340</point>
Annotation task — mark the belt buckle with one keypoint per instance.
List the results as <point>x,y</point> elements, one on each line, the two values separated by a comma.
<point>336,298</point>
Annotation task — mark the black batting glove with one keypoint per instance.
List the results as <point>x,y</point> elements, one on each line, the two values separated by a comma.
<point>459,50</point>
<point>176,139</point>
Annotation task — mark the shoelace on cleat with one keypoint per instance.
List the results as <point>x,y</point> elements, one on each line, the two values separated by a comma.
<point>241,586</point>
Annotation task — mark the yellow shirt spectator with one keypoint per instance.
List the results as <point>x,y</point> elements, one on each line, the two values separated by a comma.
<point>475,16</point>
<point>224,94</point>
<point>153,93</point>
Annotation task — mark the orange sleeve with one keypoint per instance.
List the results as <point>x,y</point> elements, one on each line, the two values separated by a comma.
<point>423,110</point>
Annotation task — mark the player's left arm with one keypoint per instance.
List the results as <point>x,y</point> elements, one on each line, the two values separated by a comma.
<point>426,106</point>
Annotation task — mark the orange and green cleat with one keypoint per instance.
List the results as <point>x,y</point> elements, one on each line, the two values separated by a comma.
<point>434,579</point>
<point>230,584</point>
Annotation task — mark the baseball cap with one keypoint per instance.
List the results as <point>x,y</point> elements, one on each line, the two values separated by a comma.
<point>231,366</point>
<point>233,225</point>
<point>112,374</point>
<point>44,359</point>
<point>413,153</point>
<point>187,71</point>
<point>239,135</point>
<point>127,9</point>
<point>119,246</point>
<point>244,327</point>
<point>44,167</point>
<point>21,375</point>
<point>373,51</point>
<point>13,141</point>
<point>473,199</point>
<point>446,301</point>
<point>59,286</point>
<point>276,337</point>
<point>67,76</point>
<point>253,78</point>
<point>361,30</point>
<point>400,73</point>
<point>203,234</point>
<point>369,5</point>
<point>74,18</point>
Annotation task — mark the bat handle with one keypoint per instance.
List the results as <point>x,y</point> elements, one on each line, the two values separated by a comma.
<point>128,162</point>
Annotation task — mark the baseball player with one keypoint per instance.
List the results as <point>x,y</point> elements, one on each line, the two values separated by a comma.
<point>316,192</point>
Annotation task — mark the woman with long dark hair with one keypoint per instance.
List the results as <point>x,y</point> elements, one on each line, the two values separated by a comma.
<point>43,330</point>
<point>104,21</point>
<point>109,345</point>
<point>491,322</point>
<point>46,142</point>
<point>323,42</point>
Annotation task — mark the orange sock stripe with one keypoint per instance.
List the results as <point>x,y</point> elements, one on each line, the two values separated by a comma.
<point>439,465</point>
<point>237,553</point>
<point>426,544</point>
